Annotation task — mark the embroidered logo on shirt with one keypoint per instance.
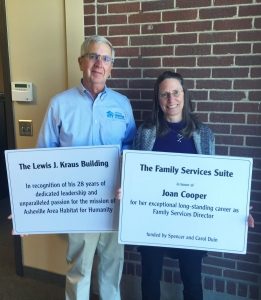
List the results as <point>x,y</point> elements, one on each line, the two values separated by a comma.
<point>115,115</point>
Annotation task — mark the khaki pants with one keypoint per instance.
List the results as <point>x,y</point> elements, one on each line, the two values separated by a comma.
<point>81,251</point>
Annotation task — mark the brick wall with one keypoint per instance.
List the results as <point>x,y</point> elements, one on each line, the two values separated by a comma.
<point>215,45</point>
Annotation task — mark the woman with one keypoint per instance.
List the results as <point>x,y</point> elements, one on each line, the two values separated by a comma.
<point>173,128</point>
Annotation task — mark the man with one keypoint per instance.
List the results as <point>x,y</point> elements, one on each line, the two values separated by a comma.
<point>91,114</point>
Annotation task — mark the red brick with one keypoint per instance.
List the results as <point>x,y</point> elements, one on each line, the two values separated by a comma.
<point>246,130</point>
<point>254,95</point>
<point>247,84</point>
<point>127,51</point>
<point>221,150</point>
<point>220,285</point>
<point>210,270</point>
<point>112,19</point>
<point>230,72</point>
<point>215,61</point>
<point>147,94</point>
<point>124,30</point>
<point>242,290</point>
<point>89,20</point>
<point>240,275</point>
<point>106,1</point>
<point>103,30</point>
<point>214,13</point>
<point>157,28</point>
<point>193,26</point>
<point>144,62</point>
<point>132,94</point>
<point>217,37</point>
<point>257,23</point>
<point>203,117</point>
<point>215,254</point>
<point>192,3</point>
<point>120,8</point>
<point>116,83</point>
<point>246,152</point>
<point>248,108</point>
<point>254,119</point>
<point>231,2</point>
<point>153,73</point>
<point>118,41</point>
<point>199,95</point>
<point>253,141</point>
<point>102,9</point>
<point>139,105</point>
<point>232,49</point>
<point>248,60</point>
<point>179,15</point>
<point>208,283</point>
<point>146,83</point>
<point>195,73</point>
<point>220,263</point>
<point>254,292</point>
<point>239,257</point>
<point>255,72</point>
<point>193,50</point>
<point>121,63</point>
<point>213,84</point>
<point>251,10</point>
<point>255,248</point>
<point>220,128</point>
<point>227,118</point>
<point>145,40</point>
<point>214,106</point>
<point>231,288</point>
<point>233,24</point>
<point>156,5</point>
<point>253,35</point>
<point>179,62</point>
<point>157,51</point>
<point>89,30</point>
<point>249,267</point>
<point>89,9</point>
<point>126,73</point>
<point>144,18</point>
<point>189,38</point>
<point>227,95</point>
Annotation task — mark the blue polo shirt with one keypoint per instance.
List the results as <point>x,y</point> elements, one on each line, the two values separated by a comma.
<point>74,118</point>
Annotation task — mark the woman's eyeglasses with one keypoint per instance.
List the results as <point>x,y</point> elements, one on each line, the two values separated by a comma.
<point>174,93</point>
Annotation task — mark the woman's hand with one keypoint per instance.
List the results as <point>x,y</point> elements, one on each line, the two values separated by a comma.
<point>251,221</point>
<point>118,194</point>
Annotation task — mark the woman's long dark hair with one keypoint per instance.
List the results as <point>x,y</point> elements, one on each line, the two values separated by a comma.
<point>158,119</point>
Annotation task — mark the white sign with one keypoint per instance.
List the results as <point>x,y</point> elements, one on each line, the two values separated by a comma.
<point>63,190</point>
<point>185,201</point>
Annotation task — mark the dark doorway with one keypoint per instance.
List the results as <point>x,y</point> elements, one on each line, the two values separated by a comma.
<point>6,113</point>
<point>7,138</point>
